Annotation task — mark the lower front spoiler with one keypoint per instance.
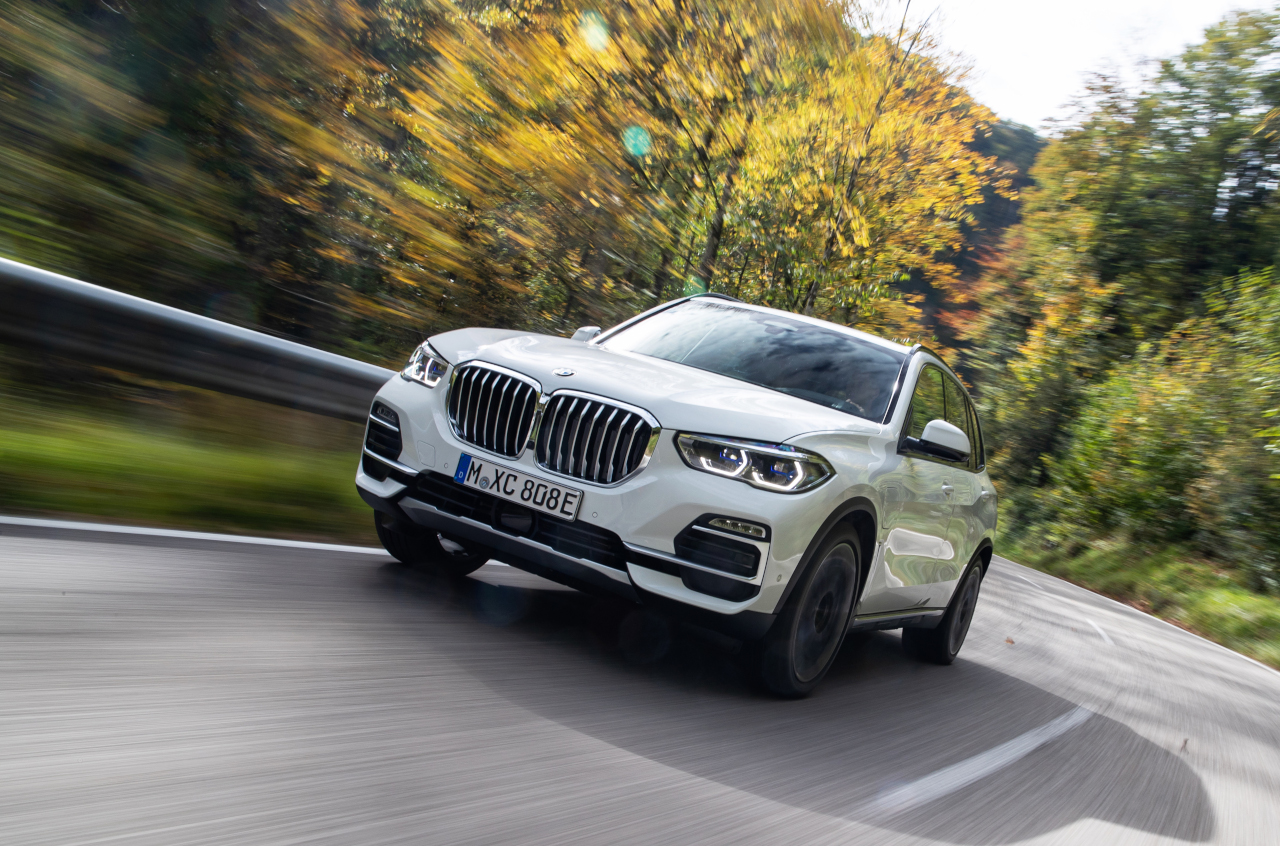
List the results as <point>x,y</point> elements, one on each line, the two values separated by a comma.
<point>519,552</point>
<point>546,562</point>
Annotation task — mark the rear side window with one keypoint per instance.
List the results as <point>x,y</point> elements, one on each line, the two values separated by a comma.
<point>960,416</point>
<point>979,458</point>
<point>958,409</point>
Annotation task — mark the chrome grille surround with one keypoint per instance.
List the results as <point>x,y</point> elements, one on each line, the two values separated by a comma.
<point>592,438</point>
<point>492,407</point>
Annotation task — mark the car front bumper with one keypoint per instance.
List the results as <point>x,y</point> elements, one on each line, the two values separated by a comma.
<point>645,514</point>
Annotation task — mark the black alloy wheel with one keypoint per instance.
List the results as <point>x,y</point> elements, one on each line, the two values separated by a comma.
<point>805,639</point>
<point>941,645</point>
<point>423,548</point>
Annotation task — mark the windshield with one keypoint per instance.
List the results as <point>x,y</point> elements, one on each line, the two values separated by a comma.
<point>797,358</point>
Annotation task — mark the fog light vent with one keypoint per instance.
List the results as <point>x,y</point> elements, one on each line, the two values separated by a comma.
<point>699,546</point>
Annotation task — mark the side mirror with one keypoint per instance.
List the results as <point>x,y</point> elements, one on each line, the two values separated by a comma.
<point>585,333</point>
<point>942,439</point>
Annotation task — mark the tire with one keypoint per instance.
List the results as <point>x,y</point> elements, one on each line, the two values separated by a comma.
<point>805,639</point>
<point>422,548</point>
<point>941,645</point>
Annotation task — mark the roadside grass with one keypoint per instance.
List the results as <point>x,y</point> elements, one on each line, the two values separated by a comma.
<point>61,461</point>
<point>1169,582</point>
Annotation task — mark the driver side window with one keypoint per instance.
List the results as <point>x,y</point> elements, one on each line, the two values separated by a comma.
<point>927,401</point>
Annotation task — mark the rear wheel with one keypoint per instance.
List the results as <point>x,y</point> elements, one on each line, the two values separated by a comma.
<point>941,645</point>
<point>805,639</point>
<point>424,548</point>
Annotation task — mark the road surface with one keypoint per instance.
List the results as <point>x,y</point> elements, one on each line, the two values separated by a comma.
<point>162,690</point>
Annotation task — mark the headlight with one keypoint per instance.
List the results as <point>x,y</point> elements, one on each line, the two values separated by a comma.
<point>425,366</point>
<point>772,467</point>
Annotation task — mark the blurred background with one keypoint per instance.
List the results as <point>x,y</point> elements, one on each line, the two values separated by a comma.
<point>356,175</point>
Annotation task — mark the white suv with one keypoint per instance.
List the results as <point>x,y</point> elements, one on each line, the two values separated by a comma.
<point>780,478</point>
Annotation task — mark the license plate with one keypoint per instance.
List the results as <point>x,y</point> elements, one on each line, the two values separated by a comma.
<point>515,486</point>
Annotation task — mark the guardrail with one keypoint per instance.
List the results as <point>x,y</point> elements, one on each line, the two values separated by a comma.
<point>44,310</point>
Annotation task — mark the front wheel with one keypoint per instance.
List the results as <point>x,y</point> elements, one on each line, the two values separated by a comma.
<point>420,547</point>
<point>941,645</point>
<point>805,639</point>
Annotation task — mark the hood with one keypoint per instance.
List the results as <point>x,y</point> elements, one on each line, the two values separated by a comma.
<point>679,396</point>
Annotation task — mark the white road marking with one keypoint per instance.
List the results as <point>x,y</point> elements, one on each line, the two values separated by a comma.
<point>1129,609</point>
<point>952,778</point>
<point>177,533</point>
<point>1028,581</point>
<point>1099,630</point>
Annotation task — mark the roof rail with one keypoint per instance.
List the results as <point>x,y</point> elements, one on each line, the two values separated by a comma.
<point>717,296</point>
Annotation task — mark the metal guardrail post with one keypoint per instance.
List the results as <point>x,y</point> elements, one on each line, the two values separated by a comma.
<point>44,310</point>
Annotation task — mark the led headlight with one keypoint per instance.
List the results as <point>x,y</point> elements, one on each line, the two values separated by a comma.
<point>425,366</point>
<point>771,467</point>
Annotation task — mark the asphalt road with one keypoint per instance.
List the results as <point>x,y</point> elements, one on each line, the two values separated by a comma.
<point>176,691</point>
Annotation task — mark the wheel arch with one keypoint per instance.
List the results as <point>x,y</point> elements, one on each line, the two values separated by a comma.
<point>859,513</point>
<point>986,549</point>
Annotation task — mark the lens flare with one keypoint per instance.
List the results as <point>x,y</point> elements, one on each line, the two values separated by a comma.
<point>637,141</point>
<point>594,30</point>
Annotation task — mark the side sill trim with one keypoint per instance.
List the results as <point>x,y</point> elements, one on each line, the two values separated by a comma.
<point>921,618</point>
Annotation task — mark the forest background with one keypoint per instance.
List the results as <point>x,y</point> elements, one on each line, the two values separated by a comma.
<point>357,174</point>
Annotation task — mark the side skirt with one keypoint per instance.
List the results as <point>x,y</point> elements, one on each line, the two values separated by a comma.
<point>917,618</point>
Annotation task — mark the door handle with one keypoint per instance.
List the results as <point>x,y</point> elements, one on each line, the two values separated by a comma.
<point>947,489</point>
<point>985,495</point>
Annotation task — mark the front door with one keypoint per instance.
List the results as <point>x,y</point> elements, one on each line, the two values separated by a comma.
<point>918,565</point>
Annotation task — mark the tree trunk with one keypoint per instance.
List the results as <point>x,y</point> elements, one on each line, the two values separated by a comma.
<point>715,232</point>
<point>828,250</point>
<point>663,276</point>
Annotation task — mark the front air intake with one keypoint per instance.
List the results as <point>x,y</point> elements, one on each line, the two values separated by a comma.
<point>593,439</point>
<point>493,408</point>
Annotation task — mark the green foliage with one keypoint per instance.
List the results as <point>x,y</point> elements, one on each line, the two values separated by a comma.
<point>1171,446</point>
<point>93,182</point>
<point>60,460</point>
<point>1141,206</point>
<point>1131,393</point>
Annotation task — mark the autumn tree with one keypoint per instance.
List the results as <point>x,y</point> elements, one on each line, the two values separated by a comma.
<point>866,171</point>
<point>1143,203</point>
<point>364,171</point>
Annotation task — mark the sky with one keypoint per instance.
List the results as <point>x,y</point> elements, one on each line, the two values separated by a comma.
<point>1031,57</point>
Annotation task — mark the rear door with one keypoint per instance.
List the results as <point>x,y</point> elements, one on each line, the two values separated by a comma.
<point>975,510</point>
<point>965,529</point>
